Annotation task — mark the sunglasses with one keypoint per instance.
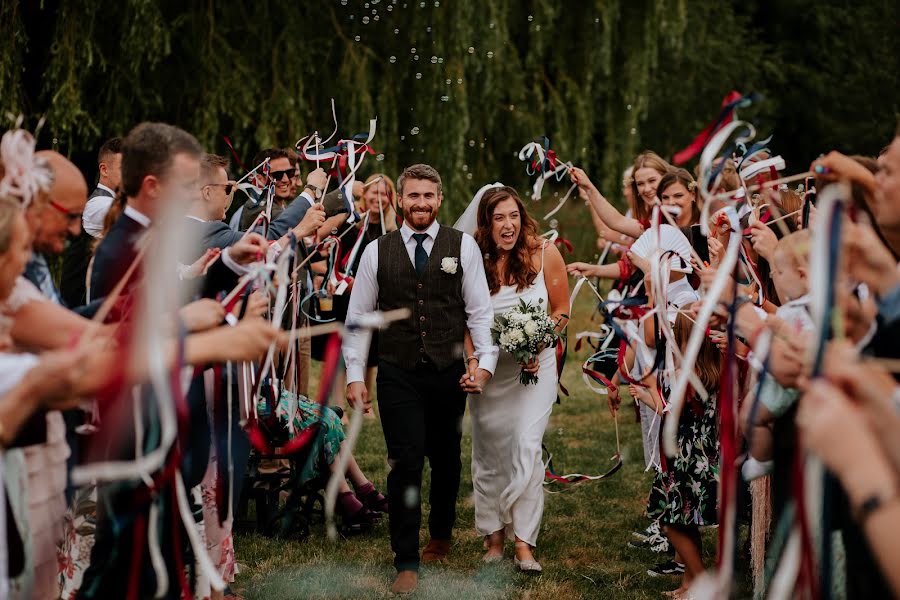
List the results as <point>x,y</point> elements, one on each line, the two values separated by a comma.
<point>278,175</point>
<point>71,217</point>
<point>229,187</point>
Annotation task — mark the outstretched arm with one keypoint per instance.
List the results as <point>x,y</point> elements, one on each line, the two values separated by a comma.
<point>606,211</point>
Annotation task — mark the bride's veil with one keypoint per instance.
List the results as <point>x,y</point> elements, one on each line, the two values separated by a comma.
<point>468,221</point>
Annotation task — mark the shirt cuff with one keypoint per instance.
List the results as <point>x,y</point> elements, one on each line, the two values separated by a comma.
<point>229,262</point>
<point>356,373</point>
<point>488,360</point>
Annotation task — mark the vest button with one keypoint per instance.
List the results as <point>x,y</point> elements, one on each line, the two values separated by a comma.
<point>419,285</point>
<point>423,334</point>
<point>421,302</point>
<point>422,318</point>
<point>421,350</point>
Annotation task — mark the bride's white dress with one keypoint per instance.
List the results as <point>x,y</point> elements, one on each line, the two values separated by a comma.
<point>508,423</point>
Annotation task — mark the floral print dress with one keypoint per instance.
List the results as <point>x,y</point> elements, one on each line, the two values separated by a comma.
<point>685,490</point>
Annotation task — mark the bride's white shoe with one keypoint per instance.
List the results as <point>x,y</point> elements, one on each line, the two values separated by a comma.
<point>529,565</point>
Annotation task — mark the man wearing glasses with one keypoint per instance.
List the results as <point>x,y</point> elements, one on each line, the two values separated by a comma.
<point>281,173</point>
<point>206,214</point>
<point>53,219</point>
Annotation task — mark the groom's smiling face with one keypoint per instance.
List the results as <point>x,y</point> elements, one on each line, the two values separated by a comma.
<point>420,202</point>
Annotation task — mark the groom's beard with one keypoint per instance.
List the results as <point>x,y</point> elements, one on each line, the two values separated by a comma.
<point>421,219</point>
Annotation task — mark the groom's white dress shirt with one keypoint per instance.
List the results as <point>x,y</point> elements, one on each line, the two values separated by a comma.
<point>475,291</point>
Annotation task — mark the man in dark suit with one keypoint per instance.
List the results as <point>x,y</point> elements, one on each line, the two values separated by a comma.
<point>77,256</point>
<point>160,165</point>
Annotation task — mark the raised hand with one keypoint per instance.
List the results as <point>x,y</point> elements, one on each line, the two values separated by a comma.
<point>311,221</point>
<point>317,179</point>
<point>249,249</point>
<point>763,239</point>
<point>199,266</point>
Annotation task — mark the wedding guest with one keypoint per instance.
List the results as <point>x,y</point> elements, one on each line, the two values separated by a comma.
<point>73,282</point>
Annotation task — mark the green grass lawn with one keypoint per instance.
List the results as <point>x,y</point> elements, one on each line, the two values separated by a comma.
<point>582,545</point>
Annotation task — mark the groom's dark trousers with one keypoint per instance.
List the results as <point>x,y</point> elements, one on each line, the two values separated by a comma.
<point>421,411</point>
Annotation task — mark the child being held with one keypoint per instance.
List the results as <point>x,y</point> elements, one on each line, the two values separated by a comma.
<point>790,275</point>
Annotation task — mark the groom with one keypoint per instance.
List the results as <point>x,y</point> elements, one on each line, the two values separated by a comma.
<point>437,273</point>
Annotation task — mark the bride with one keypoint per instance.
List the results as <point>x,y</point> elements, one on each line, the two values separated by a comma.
<point>509,418</point>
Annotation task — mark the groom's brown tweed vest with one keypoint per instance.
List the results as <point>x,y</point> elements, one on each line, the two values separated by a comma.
<point>436,328</point>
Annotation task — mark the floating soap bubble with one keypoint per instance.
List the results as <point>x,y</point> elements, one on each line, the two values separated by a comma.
<point>403,137</point>
<point>554,223</point>
<point>530,18</point>
<point>537,27</point>
<point>396,31</point>
<point>471,143</point>
<point>393,59</point>
<point>416,57</point>
<point>343,2</point>
<point>440,60</point>
<point>365,20</point>
<point>357,38</point>
<point>418,76</point>
<point>490,55</point>
<point>449,81</point>
<point>414,131</point>
<point>380,157</point>
<point>421,5</point>
<point>633,131</point>
<point>390,8</point>
<point>436,3</point>
<point>512,107</point>
<point>412,50</point>
<point>471,50</point>
<point>468,176</point>
<point>428,29</point>
<point>628,107</point>
<point>366,5</point>
<point>445,98</point>
<point>465,168</point>
<point>491,25</point>
<point>459,81</point>
<point>377,17</point>
<point>434,60</point>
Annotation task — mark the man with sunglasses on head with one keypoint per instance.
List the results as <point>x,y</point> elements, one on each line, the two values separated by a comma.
<point>207,213</point>
<point>280,173</point>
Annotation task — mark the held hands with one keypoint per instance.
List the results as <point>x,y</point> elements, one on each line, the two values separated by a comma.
<point>474,379</point>
<point>358,397</point>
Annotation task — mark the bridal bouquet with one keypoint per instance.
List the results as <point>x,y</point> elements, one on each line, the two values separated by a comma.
<point>524,331</point>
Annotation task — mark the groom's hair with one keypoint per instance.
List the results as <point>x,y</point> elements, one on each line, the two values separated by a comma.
<point>420,171</point>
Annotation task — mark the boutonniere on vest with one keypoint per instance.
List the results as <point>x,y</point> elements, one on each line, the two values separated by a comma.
<point>449,265</point>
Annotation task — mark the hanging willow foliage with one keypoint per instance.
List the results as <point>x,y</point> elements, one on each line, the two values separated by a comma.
<point>457,83</point>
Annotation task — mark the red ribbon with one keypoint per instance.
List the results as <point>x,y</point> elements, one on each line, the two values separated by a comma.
<point>696,146</point>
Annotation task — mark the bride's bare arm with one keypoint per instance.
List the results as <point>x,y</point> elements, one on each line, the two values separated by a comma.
<point>557,285</point>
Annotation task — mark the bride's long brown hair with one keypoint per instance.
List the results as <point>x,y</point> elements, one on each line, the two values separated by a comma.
<point>520,270</point>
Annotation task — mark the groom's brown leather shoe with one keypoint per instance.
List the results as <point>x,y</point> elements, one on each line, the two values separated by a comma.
<point>406,583</point>
<point>436,551</point>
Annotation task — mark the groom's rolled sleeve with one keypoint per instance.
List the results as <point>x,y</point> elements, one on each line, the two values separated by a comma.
<point>363,300</point>
<point>479,311</point>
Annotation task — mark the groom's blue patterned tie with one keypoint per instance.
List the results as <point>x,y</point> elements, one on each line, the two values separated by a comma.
<point>421,255</point>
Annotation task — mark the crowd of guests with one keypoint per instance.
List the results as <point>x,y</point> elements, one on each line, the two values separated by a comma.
<point>93,509</point>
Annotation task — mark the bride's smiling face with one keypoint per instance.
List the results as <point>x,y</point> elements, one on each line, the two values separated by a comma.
<point>506,224</point>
